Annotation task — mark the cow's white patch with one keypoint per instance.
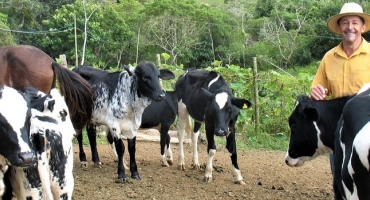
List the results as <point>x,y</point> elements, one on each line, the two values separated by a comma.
<point>365,87</point>
<point>15,114</point>
<point>221,99</point>
<point>362,145</point>
<point>237,174</point>
<point>209,166</point>
<point>213,81</point>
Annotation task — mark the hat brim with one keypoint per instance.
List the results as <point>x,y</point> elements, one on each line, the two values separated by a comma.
<point>332,22</point>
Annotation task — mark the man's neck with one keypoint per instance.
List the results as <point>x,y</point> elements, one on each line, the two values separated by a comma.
<point>350,47</point>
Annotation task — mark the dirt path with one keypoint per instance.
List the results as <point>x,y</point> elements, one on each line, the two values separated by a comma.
<point>264,172</point>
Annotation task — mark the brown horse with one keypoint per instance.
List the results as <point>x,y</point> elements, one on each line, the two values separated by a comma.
<point>25,65</point>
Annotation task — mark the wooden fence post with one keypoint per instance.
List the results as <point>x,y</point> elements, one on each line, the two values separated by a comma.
<point>63,60</point>
<point>256,104</point>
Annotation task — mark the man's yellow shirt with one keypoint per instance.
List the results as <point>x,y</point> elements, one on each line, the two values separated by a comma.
<point>343,75</point>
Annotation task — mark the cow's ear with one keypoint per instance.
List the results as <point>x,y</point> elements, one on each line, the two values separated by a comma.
<point>207,94</point>
<point>33,93</point>
<point>127,68</point>
<point>311,113</point>
<point>241,103</point>
<point>166,74</point>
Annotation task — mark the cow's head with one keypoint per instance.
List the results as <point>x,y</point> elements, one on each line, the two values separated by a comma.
<point>15,113</point>
<point>312,127</point>
<point>148,75</point>
<point>54,104</point>
<point>222,111</point>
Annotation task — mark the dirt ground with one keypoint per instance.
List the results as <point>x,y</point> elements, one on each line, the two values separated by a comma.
<point>265,174</point>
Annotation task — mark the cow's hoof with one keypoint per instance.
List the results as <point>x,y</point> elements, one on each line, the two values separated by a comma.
<point>181,167</point>
<point>98,165</point>
<point>84,165</point>
<point>136,176</point>
<point>207,179</point>
<point>170,162</point>
<point>196,166</point>
<point>122,180</point>
<point>241,182</point>
<point>165,164</point>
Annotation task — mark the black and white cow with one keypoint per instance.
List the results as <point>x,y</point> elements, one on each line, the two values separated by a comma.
<point>207,98</point>
<point>339,126</point>
<point>51,133</point>
<point>119,102</point>
<point>312,128</point>
<point>16,149</point>
<point>162,113</point>
<point>352,148</point>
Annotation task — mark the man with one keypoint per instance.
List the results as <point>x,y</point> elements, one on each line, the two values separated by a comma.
<point>345,68</point>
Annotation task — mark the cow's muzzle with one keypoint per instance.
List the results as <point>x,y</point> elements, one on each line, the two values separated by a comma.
<point>24,159</point>
<point>221,133</point>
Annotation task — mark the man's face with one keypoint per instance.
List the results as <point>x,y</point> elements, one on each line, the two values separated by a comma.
<point>351,28</point>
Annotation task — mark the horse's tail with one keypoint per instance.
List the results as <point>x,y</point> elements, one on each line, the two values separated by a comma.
<point>77,93</point>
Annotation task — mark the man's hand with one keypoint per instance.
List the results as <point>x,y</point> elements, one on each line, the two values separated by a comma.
<point>319,92</point>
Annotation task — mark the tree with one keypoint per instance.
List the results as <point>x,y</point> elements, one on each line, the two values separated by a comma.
<point>285,30</point>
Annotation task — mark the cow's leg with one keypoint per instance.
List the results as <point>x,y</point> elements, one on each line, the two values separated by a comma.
<point>111,142</point>
<point>131,143</point>
<point>82,154</point>
<point>194,141</point>
<point>91,134</point>
<point>183,121</point>
<point>231,147</point>
<point>120,149</point>
<point>165,141</point>
<point>211,149</point>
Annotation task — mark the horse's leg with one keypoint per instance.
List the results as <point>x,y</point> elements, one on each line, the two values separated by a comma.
<point>131,143</point>
<point>120,149</point>
<point>165,141</point>
<point>91,134</point>
<point>83,160</point>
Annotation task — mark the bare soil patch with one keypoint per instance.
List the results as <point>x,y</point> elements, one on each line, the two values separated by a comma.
<point>264,172</point>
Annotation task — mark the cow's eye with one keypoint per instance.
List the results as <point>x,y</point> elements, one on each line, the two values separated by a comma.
<point>145,78</point>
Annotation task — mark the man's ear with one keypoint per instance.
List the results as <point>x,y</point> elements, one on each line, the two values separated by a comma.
<point>363,28</point>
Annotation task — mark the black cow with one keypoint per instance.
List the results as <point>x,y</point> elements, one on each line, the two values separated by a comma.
<point>119,102</point>
<point>207,98</point>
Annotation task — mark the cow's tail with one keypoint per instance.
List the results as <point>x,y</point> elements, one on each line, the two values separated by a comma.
<point>188,126</point>
<point>77,93</point>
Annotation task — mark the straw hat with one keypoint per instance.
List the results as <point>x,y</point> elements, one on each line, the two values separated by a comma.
<point>349,9</point>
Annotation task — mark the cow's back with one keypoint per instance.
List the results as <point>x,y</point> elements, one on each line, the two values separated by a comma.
<point>188,88</point>
<point>160,112</point>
